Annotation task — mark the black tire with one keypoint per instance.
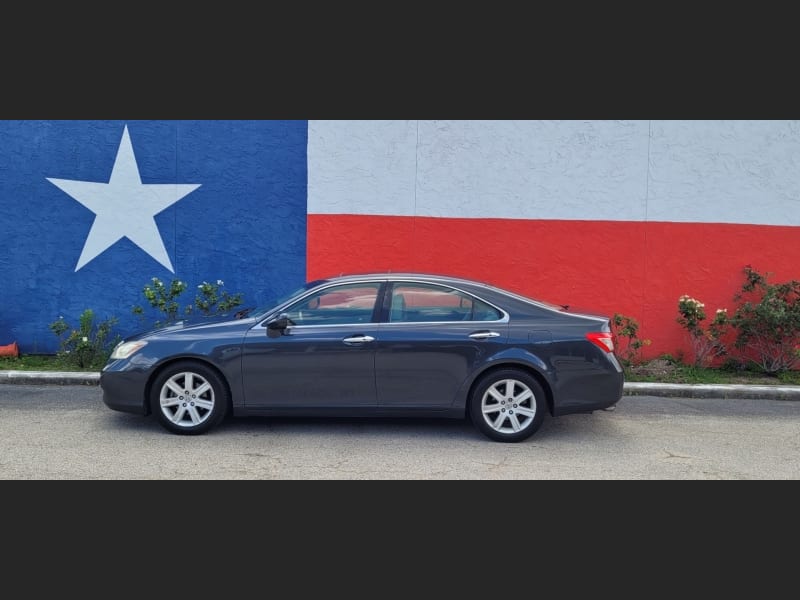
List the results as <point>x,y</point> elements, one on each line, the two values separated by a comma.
<point>508,405</point>
<point>203,407</point>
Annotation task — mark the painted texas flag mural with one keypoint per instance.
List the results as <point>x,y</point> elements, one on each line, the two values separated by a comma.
<point>614,216</point>
<point>91,211</point>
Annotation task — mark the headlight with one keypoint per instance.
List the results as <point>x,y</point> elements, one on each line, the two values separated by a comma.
<point>126,349</point>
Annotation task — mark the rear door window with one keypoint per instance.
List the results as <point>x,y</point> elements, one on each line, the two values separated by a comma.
<point>430,303</point>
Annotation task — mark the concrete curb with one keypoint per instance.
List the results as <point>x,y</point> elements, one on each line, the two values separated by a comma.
<point>674,390</point>
<point>49,378</point>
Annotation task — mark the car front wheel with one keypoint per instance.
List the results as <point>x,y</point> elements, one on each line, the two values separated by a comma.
<point>189,398</point>
<point>508,405</point>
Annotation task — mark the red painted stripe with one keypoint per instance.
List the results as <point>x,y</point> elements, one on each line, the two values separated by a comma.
<point>634,268</point>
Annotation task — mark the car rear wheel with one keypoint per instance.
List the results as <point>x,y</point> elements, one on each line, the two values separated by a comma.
<point>189,398</point>
<point>508,405</point>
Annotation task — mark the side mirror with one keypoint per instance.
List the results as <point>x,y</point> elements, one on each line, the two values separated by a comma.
<point>278,326</point>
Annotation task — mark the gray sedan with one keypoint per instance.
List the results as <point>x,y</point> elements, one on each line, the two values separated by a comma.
<point>374,345</point>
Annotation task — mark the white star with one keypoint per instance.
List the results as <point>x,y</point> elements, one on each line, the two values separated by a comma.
<point>124,207</point>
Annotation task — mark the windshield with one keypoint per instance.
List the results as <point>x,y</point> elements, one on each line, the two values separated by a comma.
<point>267,307</point>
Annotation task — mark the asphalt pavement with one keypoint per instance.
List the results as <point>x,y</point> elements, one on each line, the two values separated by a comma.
<point>672,390</point>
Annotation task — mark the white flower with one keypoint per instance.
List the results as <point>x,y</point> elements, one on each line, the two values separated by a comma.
<point>722,311</point>
<point>85,339</point>
<point>220,282</point>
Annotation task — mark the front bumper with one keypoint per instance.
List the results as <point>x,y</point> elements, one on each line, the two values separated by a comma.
<point>125,391</point>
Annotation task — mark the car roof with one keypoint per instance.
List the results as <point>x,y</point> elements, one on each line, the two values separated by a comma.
<point>392,276</point>
<point>491,291</point>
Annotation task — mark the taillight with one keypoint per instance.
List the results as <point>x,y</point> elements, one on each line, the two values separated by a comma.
<point>604,340</point>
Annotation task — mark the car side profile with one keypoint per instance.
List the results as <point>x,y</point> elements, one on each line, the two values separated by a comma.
<point>374,345</point>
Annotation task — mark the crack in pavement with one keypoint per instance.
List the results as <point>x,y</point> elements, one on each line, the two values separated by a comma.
<point>672,455</point>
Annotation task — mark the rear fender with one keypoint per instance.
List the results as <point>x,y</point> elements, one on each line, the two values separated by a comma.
<point>510,357</point>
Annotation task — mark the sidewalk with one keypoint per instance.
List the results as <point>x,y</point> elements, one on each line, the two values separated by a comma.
<point>674,390</point>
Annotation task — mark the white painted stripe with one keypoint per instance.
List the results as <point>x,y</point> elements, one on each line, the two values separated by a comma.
<point>678,171</point>
<point>725,171</point>
<point>362,167</point>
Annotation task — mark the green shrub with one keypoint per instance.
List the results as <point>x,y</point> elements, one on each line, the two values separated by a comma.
<point>88,346</point>
<point>706,340</point>
<point>673,360</point>
<point>626,335</point>
<point>164,299</point>
<point>767,322</point>
<point>210,300</point>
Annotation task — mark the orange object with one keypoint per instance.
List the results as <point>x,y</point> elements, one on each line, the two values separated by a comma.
<point>10,350</point>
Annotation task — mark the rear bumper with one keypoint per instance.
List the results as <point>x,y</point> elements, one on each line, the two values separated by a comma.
<point>590,394</point>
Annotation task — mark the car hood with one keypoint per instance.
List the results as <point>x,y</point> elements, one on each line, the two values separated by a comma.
<point>195,324</point>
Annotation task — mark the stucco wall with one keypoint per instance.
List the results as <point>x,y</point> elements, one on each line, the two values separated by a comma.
<point>618,216</point>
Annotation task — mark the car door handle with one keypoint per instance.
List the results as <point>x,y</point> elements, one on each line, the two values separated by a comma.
<point>359,339</point>
<point>484,335</point>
